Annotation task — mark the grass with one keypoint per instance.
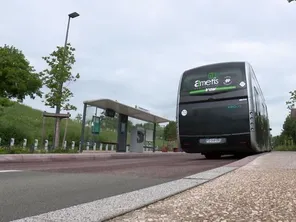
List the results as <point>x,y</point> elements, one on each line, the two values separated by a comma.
<point>21,121</point>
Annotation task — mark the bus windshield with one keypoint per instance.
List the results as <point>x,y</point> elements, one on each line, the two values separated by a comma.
<point>212,80</point>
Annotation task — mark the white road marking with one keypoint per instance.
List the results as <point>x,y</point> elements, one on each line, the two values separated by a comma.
<point>9,171</point>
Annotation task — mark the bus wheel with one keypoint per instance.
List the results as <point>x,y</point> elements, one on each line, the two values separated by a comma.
<point>212,156</point>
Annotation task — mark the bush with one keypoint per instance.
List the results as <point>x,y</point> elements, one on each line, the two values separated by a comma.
<point>64,151</point>
<point>14,151</point>
<point>17,150</point>
<point>285,148</point>
<point>8,131</point>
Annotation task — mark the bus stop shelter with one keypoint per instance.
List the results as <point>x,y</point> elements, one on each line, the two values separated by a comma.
<point>124,112</point>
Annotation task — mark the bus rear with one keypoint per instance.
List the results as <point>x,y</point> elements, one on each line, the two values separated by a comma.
<point>213,110</point>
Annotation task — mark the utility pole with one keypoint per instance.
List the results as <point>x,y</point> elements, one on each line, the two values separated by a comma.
<point>58,106</point>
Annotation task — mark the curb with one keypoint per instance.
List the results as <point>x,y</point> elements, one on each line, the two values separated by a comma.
<point>99,210</point>
<point>27,158</point>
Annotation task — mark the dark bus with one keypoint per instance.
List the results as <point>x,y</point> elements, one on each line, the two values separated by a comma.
<point>221,110</point>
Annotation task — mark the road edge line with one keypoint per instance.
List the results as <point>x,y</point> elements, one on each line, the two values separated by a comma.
<point>10,171</point>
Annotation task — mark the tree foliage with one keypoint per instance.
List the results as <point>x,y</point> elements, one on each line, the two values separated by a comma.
<point>18,78</point>
<point>60,64</point>
<point>289,128</point>
<point>4,102</point>
<point>78,118</point>
<point>291,102</point>
<point>287,139</point>
<point>170,131</point>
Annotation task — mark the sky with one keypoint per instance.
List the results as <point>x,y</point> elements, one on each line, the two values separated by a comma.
<point>135,51</point>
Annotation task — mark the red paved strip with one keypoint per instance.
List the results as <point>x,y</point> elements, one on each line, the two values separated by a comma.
<point>162,166</point>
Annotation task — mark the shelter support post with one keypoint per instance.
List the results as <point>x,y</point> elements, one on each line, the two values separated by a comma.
<point>122,133</point>
<point>43,129</point>
<point>82,128</point>
<point>154,137</point>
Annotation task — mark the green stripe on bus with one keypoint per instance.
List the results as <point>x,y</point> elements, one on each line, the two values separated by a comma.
<point>217,89</point>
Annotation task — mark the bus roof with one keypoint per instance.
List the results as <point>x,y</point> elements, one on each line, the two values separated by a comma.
<point>216,64</point>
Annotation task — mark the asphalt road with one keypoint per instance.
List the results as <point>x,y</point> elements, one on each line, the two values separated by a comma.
<point>44,187</point>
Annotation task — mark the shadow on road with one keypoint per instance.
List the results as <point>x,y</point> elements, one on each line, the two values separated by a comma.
<point>224,157</point>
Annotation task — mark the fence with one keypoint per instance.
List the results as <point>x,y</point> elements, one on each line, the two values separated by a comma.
<point>94,146</point>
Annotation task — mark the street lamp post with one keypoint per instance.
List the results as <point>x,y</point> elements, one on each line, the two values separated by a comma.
<point>58,107</point>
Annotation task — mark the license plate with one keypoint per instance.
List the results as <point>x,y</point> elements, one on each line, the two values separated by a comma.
<point>213,141</point>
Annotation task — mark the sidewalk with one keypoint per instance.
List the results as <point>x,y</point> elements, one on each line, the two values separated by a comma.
<point>263,190</point>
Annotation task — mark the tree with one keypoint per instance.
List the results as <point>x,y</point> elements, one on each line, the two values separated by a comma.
<point>278,140</point>
<point>291,102</point>
<point>170,131</point>
<point>18,78</point>
<point>289,128</point>
<point>78,118</point>
<point>60,64</point>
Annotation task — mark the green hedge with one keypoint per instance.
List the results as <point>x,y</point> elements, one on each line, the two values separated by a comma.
<point>285,148</point>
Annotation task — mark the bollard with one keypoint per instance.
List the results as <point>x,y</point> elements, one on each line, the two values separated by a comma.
<point>0,141</point>
<point>112,147</point>
<point>87,146</point>
<point>25,143</point>
<point>107,148</point>
<point>35,144</point>
<point>65,144</point>
<point>95,146</point>
<point>73,145</point>
<point>101,147</point>
<point>11,142</point>
<point>46,145</point>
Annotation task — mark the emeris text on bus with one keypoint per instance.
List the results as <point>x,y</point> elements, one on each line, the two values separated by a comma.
<point>209,82</point>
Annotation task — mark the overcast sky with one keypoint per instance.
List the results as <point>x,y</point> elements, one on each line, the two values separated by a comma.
<point>135,51</point>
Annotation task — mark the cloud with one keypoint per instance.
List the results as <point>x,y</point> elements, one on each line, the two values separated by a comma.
<point>135,51</point>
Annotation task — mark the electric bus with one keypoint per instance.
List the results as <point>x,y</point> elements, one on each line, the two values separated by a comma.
<point>221,110</point>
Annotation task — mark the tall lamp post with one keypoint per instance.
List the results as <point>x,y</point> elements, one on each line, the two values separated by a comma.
<point>58,107</point>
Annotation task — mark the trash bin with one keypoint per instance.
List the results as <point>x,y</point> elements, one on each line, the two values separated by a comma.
<point>164,149</point>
